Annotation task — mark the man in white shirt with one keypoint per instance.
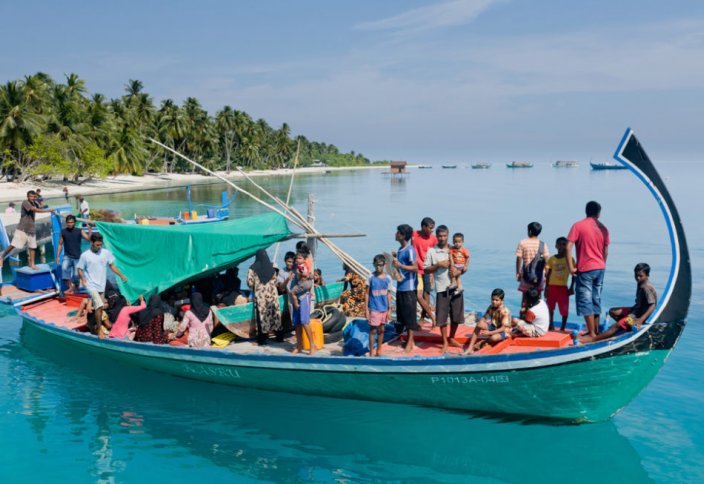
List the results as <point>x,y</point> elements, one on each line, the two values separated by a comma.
<point>84,208</point>
<point>437,262</point>
<point>536,319</point>
<point>92,270</point>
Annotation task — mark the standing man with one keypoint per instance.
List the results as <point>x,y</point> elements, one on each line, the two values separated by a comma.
<point>437,262</point>
<point>26,232</point>
<point>92,269</point>
<point>70,239</point>
<point>591,239</point>
<point>423,240</point>
<point>405,262</point>
<point>83,208</point>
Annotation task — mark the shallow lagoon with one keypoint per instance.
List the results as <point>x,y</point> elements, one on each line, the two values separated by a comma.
<point>89,421</point>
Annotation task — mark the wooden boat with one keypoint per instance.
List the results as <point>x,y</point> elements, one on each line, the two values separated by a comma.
<point>565,164</point>
<point>607,166</point>
<point>425,167</point>
<point>481,166</point>
<point>449,167</point>
<point>551,378</point>
<point>519,164</point>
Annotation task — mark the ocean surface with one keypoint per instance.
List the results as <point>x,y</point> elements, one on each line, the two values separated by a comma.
<point>75,418</point>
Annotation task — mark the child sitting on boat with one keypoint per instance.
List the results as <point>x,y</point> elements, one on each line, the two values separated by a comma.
<point>377,300</point>
<point>535,318</point>
<point>494,326</point>
<point>300,302</point>
<point>628,317</point>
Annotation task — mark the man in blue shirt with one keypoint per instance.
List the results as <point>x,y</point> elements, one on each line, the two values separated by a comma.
<point>405,262</point>
<point>92,270</point>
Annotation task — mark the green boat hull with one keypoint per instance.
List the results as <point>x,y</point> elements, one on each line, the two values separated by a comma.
<point>588,390</point>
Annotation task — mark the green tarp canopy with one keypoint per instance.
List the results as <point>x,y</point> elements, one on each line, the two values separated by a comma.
<point>157,257</point>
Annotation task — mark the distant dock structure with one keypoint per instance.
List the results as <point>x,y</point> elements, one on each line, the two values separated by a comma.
<point>398,168</point>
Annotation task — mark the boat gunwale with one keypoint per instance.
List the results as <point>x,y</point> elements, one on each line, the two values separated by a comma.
<point>477,363</point>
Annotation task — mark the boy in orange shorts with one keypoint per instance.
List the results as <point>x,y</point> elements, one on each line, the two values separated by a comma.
<point>556,292</point>
<point>459,257</point>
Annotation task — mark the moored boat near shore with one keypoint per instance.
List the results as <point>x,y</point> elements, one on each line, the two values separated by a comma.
<point>481,166</point>
<point>547,378</point>
<point>607,166</point>
<point>565,164</point>
<point>449,167</point>
<point>519,164</point>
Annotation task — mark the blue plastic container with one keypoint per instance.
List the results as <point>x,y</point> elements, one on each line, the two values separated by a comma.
<point>34,280</point>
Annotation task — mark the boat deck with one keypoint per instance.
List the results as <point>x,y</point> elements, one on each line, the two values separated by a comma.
<point>428,339</point>
<point>10,294</point>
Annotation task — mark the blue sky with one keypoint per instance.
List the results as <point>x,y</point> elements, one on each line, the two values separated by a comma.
<point>445,81</point>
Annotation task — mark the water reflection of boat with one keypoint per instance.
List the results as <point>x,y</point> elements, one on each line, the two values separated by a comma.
<point>519,164</point>
<point>607,166</point>
<point>481,166</point>
<point>565,164</point>
<point>520,377</point>
<point>255,436</point>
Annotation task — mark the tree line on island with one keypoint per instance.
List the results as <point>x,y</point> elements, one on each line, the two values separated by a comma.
<point>49,129</point>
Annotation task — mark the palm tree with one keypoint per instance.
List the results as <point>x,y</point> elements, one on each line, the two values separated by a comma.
<point>226,123</point>
<point>19,124</point>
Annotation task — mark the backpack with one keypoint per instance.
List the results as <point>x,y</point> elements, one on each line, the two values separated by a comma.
<point>533,272</point>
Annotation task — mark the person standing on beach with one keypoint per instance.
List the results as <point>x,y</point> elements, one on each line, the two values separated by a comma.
<point>591,239</point>
<point>26,232</point>
<point>92,270</point>
<point>406,296</point>
<point>70,240</point>
<point>65,190</point>
<point>423,240</point>
<point>437,262</point>
<point>84,208</point>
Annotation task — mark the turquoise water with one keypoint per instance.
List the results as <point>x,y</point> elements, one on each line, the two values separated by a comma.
<point>67,418</point>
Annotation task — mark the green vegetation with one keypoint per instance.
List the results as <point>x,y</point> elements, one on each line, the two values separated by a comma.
<point>48,128</point>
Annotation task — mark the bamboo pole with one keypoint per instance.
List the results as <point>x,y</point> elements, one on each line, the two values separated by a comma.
<point>290,188</point>
<point>241,190</point>
<point>346,258</point>
<point>297,219</point>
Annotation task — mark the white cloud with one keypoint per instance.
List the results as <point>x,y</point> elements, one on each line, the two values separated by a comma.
<point>445,14</point>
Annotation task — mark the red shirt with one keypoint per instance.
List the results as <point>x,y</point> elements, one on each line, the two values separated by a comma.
<point>421,244</point>
<point>591,238</point>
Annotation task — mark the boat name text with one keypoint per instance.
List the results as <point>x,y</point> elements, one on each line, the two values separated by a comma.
<point>467,380</point>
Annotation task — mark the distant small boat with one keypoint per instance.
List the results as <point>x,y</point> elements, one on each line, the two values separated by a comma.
<point>449,167</point>
<point>425,167</point>
<point>565,164</point>
<point>607,166</point>
<point>481,166</point>
<point>519,164</point>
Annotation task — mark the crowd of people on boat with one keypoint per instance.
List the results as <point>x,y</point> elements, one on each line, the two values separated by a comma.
<point>427,261</point>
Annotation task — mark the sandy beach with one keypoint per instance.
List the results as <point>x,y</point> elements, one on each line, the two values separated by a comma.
<point>10,191</point>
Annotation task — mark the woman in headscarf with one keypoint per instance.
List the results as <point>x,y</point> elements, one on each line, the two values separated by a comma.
<point>198,320</point>
<point>119,313</point>
<point>261,279</point>
<point>150,322</point>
